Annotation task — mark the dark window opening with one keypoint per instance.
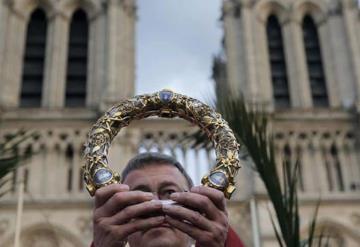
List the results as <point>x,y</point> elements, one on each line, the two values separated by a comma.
<point>34,60</point>
<point>75,95</point>
<point>26,180</point>
<point>338,171</point>
<point>69,154</point>
<point>314,63</point>
<point>277,63</point>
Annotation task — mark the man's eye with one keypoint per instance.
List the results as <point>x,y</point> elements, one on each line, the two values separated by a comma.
<point>169,192</point>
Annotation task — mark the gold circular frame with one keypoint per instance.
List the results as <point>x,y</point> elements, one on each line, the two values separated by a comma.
<point>166,104</point>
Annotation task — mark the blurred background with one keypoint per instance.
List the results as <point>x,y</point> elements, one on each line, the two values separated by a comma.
<point>64,62</point>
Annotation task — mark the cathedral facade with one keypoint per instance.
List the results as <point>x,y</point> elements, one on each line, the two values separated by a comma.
<point>64,62</point>
<point>299,60</point>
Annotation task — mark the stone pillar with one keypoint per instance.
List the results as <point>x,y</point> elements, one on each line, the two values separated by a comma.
<point>351,29</point>
<point>36,173</point>
<point>299,85</point>
<point>96,65</point>
<point>352,154</point>
<point>234,48</point>
<point>279,158</point>
<point>13,59</point>
<point>345,163</point>
<point>264,80</point>
<point>307,166</point>
<point>56,61</point>
<point>4,17</point>
<point>327,36</point>
<point>343,74</point>
<point>319,168</point>
<point>55,167</point>
<point>77,163</point>
<point>119,70</point>
<point>251,88</point>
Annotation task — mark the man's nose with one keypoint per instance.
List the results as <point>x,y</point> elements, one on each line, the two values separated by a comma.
<point>156,196</point>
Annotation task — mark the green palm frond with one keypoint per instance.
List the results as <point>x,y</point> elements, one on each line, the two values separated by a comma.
<point>251,129</point>
<point>11,156</point>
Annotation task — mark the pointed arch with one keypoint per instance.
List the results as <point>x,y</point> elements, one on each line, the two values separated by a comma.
<point>314,63</point>
<point>277,63</point>
<point>45,233</point>
<point>26,8</point>
<point>34,60</point>
<point>333,232</point>
<point>76,78</point>
<point>91,7</point>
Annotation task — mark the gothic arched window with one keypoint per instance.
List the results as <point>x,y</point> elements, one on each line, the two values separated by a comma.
<point>277,63</point>
<point>75,94</point>
<point>34,60</point>
<point>314,63</point>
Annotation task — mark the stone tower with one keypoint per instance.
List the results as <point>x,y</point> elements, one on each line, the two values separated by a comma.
<point>300,60</point>
<point>62,63</point>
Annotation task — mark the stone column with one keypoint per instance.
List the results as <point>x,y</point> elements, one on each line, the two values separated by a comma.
<point>13,59</point>
<point>279,159</point>
<point>351,29</point>
<point>120,15</point>
<point>96,65</point>
<point>299,85</point>
<point>251,89</point>
<point>345,163</point>
<point>234,47</point>
<point>56,61</point>
<point>340,66</point>
<point>36,173</point>
<point>307,166</point>
<point>264,80</point>
<point>319,168</point>
<point>4,16</point>
<point>352,154</point>
<point>77,162</point>
<point>55,167</point>
<point>328,37</point>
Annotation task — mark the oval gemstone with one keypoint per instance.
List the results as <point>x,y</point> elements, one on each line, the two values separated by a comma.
<point>219,179</point>
<point>166,96</point>
<point>102,176</point>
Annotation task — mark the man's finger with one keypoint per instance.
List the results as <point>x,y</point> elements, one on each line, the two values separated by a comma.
<point>135,211</point>
<point>190,230</point>
<point>216,196</point>
<point>121,200</point>
<point>139,225</point>
<point>105,193</point>
<point>197,201</point>
<point>194,217</point>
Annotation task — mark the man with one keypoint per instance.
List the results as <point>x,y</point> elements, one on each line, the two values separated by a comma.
<point>132,211</point>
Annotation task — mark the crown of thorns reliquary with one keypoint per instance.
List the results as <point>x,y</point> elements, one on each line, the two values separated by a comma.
<point>167,104</point>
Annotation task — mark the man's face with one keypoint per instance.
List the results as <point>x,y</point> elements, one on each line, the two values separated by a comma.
<point>162,180</point>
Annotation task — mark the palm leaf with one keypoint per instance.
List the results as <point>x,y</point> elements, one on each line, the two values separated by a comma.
<point>251,129</point>
<point>11,157</point>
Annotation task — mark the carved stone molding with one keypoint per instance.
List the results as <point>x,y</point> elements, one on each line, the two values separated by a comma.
<point>84,225</point>
<point>4,225</point>
<point>231,9</point>
<point>129,7</point>
<point>355,218</point>
<point>248,3</point>
<point>335,8</point>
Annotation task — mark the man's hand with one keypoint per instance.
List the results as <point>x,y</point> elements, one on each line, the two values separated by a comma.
<point>206,222</point>
<point>117,212</point>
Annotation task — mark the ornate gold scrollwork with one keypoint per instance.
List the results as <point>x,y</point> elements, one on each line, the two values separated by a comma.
<point>166,104</point>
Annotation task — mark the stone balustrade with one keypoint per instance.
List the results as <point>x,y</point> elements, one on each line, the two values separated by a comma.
<point>329,163</point>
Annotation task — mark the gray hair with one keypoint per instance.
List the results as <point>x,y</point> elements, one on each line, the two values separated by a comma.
<point>145,159</point>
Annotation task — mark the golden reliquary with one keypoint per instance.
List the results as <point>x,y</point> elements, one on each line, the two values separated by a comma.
<point>167,104</point>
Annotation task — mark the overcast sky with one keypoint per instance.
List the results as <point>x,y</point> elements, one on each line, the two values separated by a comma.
<point>176,41</point>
